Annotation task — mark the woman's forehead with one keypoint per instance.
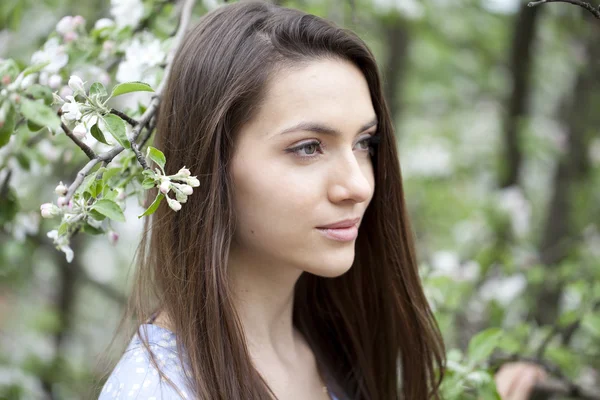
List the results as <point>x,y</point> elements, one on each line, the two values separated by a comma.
<point>330,92</point>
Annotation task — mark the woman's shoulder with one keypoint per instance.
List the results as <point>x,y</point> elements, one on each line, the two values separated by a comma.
<point>135,376</point>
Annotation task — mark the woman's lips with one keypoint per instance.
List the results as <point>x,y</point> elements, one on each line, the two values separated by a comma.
<point>340,234</point>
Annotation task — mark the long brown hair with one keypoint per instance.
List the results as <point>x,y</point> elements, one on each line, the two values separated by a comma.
<point>371,327</point>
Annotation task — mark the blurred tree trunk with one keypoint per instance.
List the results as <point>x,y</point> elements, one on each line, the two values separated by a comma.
<point>563,227</point>
<point>518,101</point>
<point>396,36</point>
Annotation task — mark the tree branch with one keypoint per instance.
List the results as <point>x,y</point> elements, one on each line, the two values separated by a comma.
<point>587,6</point>
<point>124,117</point>
<point>558,385</point>
<point>150,112</point>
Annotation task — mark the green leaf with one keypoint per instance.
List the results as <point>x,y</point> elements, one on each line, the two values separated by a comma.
<point>116,127</point>
<point>157,156</point>
<point>98,91</point>
<point>148,183</point>
<point>35,68</point>
<point>40,92</point>
<point>129,87</point>
<point>33,127</point>
<point>154,206</point>
<point>9,67</point>
<point>96,215</point>
<point>8,128</point>
<point>39,114</point>
<point>109,173</point>
<point>591,323</point>
<point>87,228</point>
<point>483,344</point>
<point>63,228</point>
<point>97,134</point>
<point>110,209</point>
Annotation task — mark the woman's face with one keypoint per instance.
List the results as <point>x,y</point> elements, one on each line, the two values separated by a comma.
<point>289,182</point>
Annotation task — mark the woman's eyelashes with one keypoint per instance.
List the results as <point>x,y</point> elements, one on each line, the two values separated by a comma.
<point>315,148</point>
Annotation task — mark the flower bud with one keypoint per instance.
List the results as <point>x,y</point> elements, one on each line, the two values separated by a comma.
<point>79,131</point>
<point>184,172</point>
<point>61,189</point>
<point>49,210</point>
<point>108,46</point>
<point>62,201</point>
<point>186,189</point>
<point>70,37</point>
<point>15,98</point>
<point>121,194</point>
<point>193,182</point>
<point>65,25</point>
<point>174,204</point>
<point>76,84</point>
<point>6,80</point>
<point>78,20</point>
<point>164,187</point>
<point>113,237</point>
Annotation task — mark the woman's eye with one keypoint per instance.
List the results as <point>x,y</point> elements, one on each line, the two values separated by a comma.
<point>310,148</point>
<point>307,150</point>
<point>366,143</point>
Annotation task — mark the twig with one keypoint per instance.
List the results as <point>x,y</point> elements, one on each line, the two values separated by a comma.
<point>148,114</point>
<point>86,149</point>
<point>560,385</point>
<point>151,125</point>
<point>124,117</point>
<point>587,6</point>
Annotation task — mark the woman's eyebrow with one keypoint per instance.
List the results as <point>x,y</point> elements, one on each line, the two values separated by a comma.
<point>322,128</point>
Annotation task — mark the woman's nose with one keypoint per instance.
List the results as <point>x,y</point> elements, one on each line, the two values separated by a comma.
<point>351,179</point>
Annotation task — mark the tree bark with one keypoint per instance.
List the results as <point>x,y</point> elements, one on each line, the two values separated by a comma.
<point>518,101</point>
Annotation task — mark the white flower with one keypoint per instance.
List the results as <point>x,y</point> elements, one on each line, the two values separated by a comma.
<point>65,25</point>
<point>89,120</point>
<point>126,12</point>
<point>61,243</point>
<point>80,131</point>
<point>54,81</point>
<point>25,224</point>
<point>52,52</point>
<point>175,205</point>
<point>142,56</point>
<point>28,81</point>
<point>411,9</point>
<point>65,91</point>
<point>71,110</point>
<point>76,84</point>
<point>512,202</point>
<point>503,290</point>
<point>104,23</point>
<point>61,189</point>
<point>431,160</point>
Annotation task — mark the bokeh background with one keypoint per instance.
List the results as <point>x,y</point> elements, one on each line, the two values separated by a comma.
<point>496,107</point>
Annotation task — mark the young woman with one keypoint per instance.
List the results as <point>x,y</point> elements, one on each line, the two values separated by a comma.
<point>290,273</point>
